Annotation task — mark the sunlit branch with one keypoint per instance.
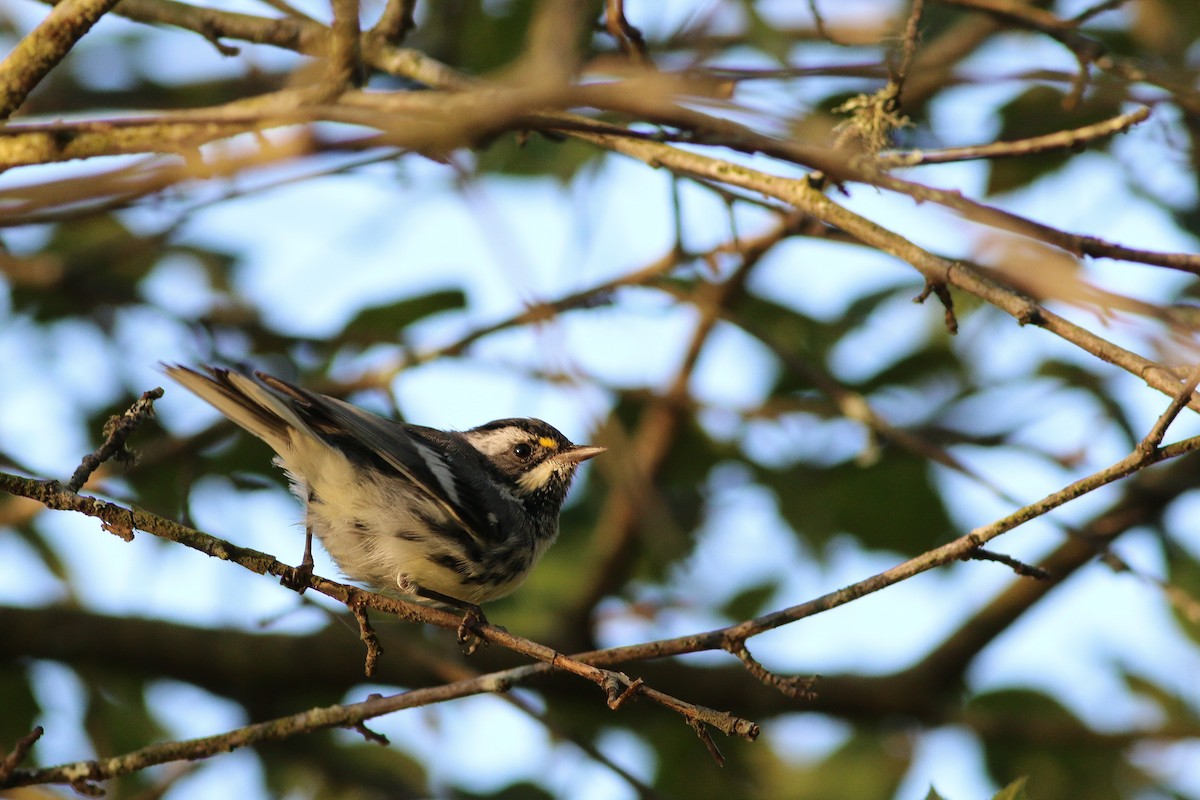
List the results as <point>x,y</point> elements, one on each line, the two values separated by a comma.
<point>123,521</point>
<point>41,50</point>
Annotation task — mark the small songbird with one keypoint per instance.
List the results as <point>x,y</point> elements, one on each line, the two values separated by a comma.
<point>456,517</point>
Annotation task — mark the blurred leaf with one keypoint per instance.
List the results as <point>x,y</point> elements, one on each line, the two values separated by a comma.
<point>1029,733</point>
<point>794,331</point>
<point>1169,28</point>
<point>766,36</point>
<point>1037,111</point>
<point>117,717</point>
<point>88,265</point>
<point>217,265</point>
<point>20,707</point>
<point>1096,384</point>
<point>384,323</point>
<point>675,504</point>
<point>489,35</point>
<point>891,505</point>
<point>1014,791</point>
<point>933,795</point>
<point>27,530</point>
<point>933,362</point>
<point>522,790</point>
<point>868,765</point>
<point>749,602</point>
<point>535,155</point>
<point>1183,579</point>
<point>685,770</point>
<point>327,766</point>
<point>1175,708</point>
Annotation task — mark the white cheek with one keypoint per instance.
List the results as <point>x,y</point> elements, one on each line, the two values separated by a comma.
<point>537,477</point>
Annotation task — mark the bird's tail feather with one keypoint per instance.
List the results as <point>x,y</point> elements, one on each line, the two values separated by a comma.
<point>244,400</point>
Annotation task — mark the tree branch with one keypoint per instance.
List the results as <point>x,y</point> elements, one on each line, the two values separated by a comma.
<point>1019,148</point>
<point>117,432</point>
<point>123,521</point>
<point>42,49</point>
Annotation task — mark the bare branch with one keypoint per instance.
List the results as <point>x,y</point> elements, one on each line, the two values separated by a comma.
<point>1182,399</point>
<point>632,43</point>
<point>908,46</point>
<point>20,750</point>
<point>396,21</point>
<point>1017,566</point>
<point>40,51</point>
<point>117,432</point>
<point>345,52</point>
<point>124,521</point>
<point>1059,140</point>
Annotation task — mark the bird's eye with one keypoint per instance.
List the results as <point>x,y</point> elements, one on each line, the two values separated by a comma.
<point>523,450</point>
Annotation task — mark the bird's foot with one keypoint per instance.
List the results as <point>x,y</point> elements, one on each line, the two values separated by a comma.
<point>469,633</point>
<point>297,578</point>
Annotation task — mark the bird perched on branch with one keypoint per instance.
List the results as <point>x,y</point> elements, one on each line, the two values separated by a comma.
<point>455,517</point>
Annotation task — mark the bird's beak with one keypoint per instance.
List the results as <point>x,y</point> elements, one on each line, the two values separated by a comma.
<point>578,453</point>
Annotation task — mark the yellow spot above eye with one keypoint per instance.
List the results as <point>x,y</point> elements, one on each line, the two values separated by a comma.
<point>548,443</point>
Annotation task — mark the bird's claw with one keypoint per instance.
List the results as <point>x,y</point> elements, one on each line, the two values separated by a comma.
<point>469,634</point>
<point>297,578</point>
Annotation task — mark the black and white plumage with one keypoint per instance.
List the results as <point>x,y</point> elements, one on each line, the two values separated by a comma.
<point>455,516</point>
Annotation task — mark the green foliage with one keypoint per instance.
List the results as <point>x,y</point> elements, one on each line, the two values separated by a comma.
<point>21,708</point>
<point>535,156</point>
<point>1183,579</point>
<point>385,322</point>
<point>750,601</point>
<point>1014,791</point>
<point>868,765</point>
<point>92,263</point>
<point>517,791</point>
<point>822,502</point>
<point>1031,734</point>
<point>1037,111</point>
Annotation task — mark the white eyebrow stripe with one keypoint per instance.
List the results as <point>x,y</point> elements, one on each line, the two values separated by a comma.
<point>492,443</point>
<point>440,469</point>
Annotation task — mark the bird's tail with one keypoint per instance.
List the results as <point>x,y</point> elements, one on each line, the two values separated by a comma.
<point>246,401</point>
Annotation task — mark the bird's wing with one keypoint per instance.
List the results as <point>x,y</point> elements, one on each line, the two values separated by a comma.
<point>423,456</point>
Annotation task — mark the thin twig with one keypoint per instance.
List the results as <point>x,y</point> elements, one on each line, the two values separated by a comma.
<point>791,686</point>
<point>718,639</point>
<point>1018,148</point>
<point>287,9</point>
<point>808,199</point>
<point>1099,8</point>
<point>1017,566</point>
<point>822,28</point>
<point>709,744</point>
<point>366,633</point>
<point>632,43</point>
<point>116,516</point>
<point>396,21</point>
<point>18,753</point>
<point>952,551</point>
<point>947,300</point>
<point>908,46</point>
<point>117,431</point>
<point>1182,399</point>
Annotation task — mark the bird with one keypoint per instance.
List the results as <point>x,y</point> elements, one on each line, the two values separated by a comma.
<point>456,517</point>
